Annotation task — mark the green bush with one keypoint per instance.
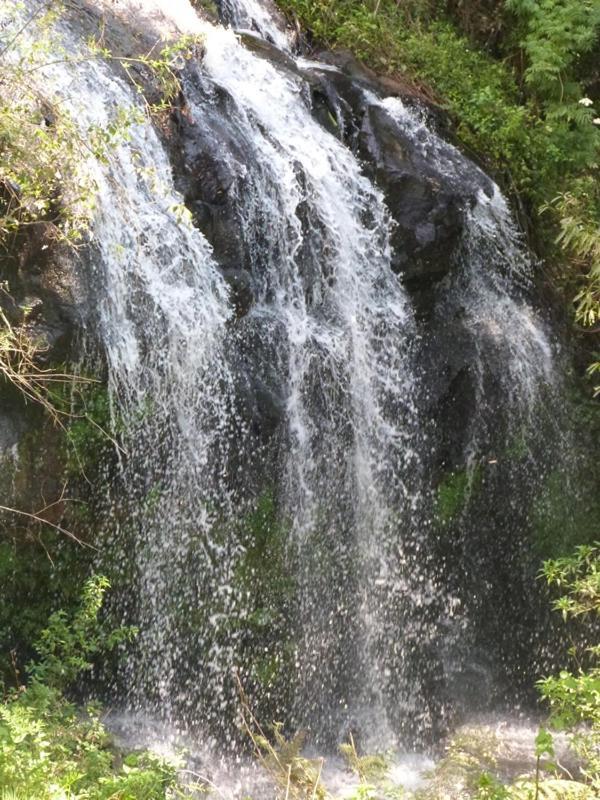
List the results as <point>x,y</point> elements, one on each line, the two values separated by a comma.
<point>38,573</point>
<point>574,695</point>
<point>52,750</point>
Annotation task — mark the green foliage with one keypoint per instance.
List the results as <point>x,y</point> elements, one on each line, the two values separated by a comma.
<point>42,567</point>
<point>369,768</point>
<point>469,753</point>
<point>574,697</point>
<point>579,214</point>
<point>69,643</point>
<point>294,776</point>
<point>562,519</point>
<point>38,573</point>
<point>555,35</point>
<point>43,148</point>
<point>372,770</point>
<point>548,789</point>
<point>207,8</point>
<point>47,193</point>
<point>162,71</point>
<point>472,768</point>
<point>89,431</point>
<point>578,577</point>
<point>49,749</point>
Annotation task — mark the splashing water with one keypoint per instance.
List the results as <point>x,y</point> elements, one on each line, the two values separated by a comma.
<point>254,15</point>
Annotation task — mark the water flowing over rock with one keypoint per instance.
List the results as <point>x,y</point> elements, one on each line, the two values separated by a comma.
<point>327,365</point>
<point>261,16</point>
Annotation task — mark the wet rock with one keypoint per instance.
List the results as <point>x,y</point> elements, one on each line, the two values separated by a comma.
<point>426,198</point>
<point>265,49</point>
<point>208,181</point>
<point>240,285</point>
<point>263,19</point>
<point>45,300</point>
<point>426,202</point>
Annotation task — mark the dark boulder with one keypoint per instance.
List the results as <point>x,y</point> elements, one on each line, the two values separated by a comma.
<point>427,207</point>
<point>426,195</point>
<point>204,174</point>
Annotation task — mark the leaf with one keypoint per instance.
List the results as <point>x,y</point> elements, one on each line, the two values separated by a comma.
<point>544,743</point>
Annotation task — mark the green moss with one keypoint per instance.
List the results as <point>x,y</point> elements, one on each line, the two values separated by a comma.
<point>566,513</point>
<point>264,579</point>
<point>518,446</point>
<point>208,7</point>
<point>454,492</point>
<point>88,435</point>
<point>264,537</point>
<point>263,572</point>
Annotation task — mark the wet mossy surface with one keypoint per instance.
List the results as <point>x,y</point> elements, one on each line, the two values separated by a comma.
<point>48,537</point>
<point>454,492</point>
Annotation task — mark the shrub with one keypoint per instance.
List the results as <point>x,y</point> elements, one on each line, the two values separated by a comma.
<point>50,749</point>
<point>574,696</point>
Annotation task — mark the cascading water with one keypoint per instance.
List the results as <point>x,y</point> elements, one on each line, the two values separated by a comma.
<point>299,434</point>
<point>253,15</point>
<point>331,331</point>
<point>162,313</point>
<point>504,405</point>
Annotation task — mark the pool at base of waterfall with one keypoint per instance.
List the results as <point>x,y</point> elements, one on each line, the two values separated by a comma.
<point>502,747</point>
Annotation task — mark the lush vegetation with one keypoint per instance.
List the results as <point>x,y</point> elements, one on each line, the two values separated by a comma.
<point>47,197</point>
<point>51,749</point>
<point>574,695</point>
<point>47,192</point>
<point>520,79</point>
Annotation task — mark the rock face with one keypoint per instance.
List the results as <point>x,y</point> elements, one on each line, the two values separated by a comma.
<point>427,203</point>
<point>474,326</point>
<point>44,292</point>
<point>44,298</point>
<point>427,209</point>
<point>428,197</point>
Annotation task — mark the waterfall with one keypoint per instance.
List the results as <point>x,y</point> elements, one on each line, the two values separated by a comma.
<point>333,329</point>
<point>303,420</point>
<point>496,281</point>
<point>161,314</point>
<point>254,15</point>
